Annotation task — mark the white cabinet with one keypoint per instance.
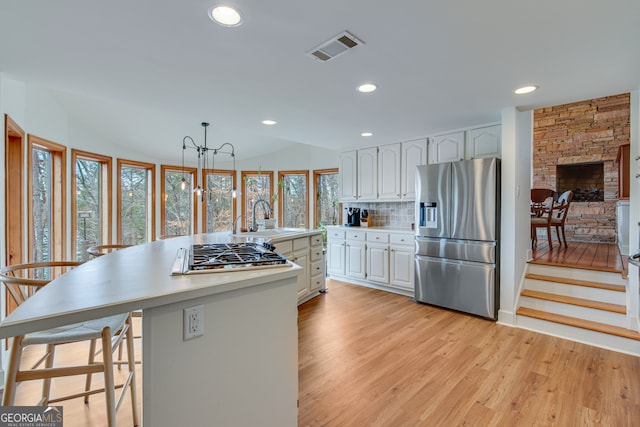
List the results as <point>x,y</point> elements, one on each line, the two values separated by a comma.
<point>307,253</point>
<point>485,142</point>
<point>402,268</point>
<point>336,255</point>
<point>301,257</point>
<point>389,165</point>
<point>446,148</point>
<point>367,174</point>
<point>414,153</point>
<point>377,262</point>
<point>355,255</point>
<point>316,264</point>
<point>348,175</point>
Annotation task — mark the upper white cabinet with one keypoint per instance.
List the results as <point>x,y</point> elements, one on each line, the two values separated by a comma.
<point>368,174</point>
<point>348,175</point>
<point>414,153</point>
<point>446,148</point>
<point>389,172</point>
<point>485,142</point>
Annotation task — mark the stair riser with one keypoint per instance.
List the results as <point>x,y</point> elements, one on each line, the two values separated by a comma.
<point>577,291</point>
<point>577,273</point>
<point>598,339</point>
<point>586,313</point>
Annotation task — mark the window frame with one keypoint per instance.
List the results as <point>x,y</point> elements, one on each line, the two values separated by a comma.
<point>58,191</point>
<point>14,193</point>
<point>317,173</point>
<point>281,195</point>
<point>106,195</point>
<point>163,212</point>
<point>151,173</point>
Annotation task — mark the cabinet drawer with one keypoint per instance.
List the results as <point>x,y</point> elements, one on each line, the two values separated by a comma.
<point>317,267</point>
<point>316,253</point>
<point>402,239</point>
<point>335,234</point>
<point>377,237</point>
<point>317,283</point>
<point>316,240</point>
<point>284,247</point>
<point>355,235</point>
<point>302,243</point>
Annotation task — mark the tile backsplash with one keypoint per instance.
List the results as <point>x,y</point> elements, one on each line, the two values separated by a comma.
<point>392,214</point>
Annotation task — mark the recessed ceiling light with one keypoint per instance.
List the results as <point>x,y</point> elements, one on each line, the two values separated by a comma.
<point>367,87</point>
<point>525,89</point>
<point>269,122</point>
<point>366,134</point>
<point>225,15</point>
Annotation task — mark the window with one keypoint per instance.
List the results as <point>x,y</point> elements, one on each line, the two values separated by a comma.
<point>256,185</point>
<point>91,204</point>
<point>219,203</point>
<point>293,198</point>
<point>177,214</point>
<point>327,208</point>
<point>136,202</point>
<point>47,194</point>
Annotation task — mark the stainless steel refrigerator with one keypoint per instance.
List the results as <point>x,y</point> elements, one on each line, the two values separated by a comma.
<point>458,235</point>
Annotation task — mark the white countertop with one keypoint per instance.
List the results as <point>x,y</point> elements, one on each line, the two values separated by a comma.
<point>134,278</point>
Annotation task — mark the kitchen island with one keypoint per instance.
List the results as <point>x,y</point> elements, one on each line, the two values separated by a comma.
<point>242,372</point>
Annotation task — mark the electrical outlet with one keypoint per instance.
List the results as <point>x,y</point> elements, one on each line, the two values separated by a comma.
<point>193,322</point>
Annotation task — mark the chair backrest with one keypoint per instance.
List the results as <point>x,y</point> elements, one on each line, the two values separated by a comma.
<point>539,195</point>
<point>23,280</point>
<point>561,208</point>
<point>100,250</point>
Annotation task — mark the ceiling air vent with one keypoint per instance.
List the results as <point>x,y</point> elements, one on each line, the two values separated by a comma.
<point>336,46</point>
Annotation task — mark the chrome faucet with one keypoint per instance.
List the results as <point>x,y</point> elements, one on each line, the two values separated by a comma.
<point>254,225</point>
<point>235,224</point>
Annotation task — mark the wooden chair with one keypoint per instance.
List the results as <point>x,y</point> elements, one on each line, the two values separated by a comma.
<point>100,250</point>
<point>24,280</point>
<point>542,198</point>
<point>555,216</point>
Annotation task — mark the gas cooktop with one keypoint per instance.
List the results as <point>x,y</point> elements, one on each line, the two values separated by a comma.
<point>223,257</point>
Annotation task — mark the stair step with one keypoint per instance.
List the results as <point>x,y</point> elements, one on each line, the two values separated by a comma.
<point>577,282</point>
<point>605,306</point>
<point>579,323</point>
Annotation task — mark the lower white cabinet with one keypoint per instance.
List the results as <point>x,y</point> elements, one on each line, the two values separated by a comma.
<point>402,251</point>
<point>307,252</point>
<point>372,257</point>
<point>355,256</point>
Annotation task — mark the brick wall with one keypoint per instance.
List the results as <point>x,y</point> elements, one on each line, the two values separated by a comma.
<point>582,132</point>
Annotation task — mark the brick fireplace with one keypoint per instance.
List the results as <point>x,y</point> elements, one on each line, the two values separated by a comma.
<point>576,145</point>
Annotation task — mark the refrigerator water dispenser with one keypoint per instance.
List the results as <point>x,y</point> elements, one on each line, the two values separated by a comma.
<point>428,215</point>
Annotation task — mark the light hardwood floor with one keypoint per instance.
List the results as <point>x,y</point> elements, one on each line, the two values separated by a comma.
<point>371,358</point>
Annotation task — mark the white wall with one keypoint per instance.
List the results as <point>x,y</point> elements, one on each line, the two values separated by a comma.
<point>516,173</point>
<point>633,293</point>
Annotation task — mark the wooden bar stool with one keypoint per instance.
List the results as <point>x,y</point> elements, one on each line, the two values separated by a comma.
<point>22,281</point>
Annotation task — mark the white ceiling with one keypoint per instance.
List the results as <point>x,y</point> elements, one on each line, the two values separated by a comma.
<point>145,73</point>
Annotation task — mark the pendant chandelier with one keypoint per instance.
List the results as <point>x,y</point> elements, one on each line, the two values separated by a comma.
<point>203,161</point>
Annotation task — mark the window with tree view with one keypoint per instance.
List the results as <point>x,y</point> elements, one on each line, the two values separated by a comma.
<point>47,193</point>
<point>219,204</point>
<point>91,204</point>
<point>135,203</point>
<point>177,205</point>
<point>293,198</point>
<point>257,185</point>
<point>41,202</point>
<point>327,205</point>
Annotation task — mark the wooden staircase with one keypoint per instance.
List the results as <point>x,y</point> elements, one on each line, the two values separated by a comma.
<point>582,305</point>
